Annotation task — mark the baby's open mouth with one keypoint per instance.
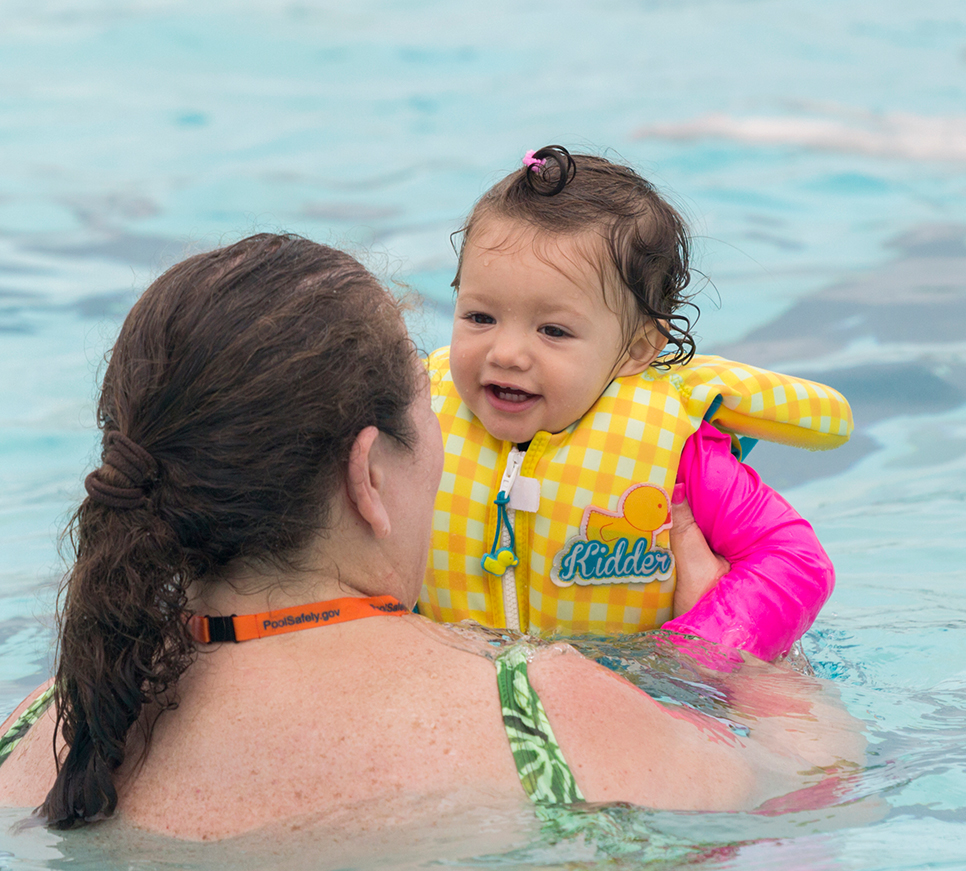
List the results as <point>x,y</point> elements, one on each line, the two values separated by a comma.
<point>509,394</point>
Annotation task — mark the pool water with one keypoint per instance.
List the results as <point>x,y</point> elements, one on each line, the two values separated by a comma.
<point>818,148</point>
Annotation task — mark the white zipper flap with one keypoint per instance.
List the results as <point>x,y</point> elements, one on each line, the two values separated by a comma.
<point>524,492</point>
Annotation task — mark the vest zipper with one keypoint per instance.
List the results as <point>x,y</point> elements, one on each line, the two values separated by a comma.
<point>511,607</point>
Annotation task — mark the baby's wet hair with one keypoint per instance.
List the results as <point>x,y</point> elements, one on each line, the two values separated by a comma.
<point>645,240</point>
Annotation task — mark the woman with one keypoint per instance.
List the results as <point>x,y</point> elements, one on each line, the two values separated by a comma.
<point>270,452</point>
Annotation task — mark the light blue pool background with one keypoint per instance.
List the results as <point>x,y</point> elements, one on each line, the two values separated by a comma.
<point>817,146</point>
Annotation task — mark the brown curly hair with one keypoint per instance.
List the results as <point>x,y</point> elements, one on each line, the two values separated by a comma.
<point>245,374</point>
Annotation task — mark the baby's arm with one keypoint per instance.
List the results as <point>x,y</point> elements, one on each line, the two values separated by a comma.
<point>780,575</point>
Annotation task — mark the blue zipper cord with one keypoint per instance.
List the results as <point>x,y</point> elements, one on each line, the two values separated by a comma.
<point>502,520</point>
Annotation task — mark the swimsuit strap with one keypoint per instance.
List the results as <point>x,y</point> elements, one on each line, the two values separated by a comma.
<point>543,771</point>
<point>33,712</point>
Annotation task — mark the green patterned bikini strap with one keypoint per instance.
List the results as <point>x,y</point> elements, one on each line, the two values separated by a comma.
<point>543,771</point>
<point>33,712</point>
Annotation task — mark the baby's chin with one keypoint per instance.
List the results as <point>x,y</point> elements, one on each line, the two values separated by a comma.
<point>503,429</point>
<point>507,432</point>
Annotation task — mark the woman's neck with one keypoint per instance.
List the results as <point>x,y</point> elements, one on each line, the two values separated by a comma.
<point>246,591</point>
<point>347,561</point>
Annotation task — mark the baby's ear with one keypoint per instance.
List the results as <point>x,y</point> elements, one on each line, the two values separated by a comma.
<point>647,344</point>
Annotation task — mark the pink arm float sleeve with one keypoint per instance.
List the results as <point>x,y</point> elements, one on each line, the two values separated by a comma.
<point>780,575</point>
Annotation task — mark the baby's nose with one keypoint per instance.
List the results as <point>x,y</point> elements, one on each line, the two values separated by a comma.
<point>510,350</point>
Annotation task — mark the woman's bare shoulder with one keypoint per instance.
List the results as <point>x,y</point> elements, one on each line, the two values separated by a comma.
<point>28,772</point>
<point>26,703</point>
<point>622,745</point>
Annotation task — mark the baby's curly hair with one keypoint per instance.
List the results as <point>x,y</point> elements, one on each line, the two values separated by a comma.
<point>646,242</point>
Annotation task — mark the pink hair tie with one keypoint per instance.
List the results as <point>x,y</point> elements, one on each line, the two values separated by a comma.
<point>534,163</point>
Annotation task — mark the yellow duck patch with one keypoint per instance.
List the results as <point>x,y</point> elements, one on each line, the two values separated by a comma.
<point>618,547</point>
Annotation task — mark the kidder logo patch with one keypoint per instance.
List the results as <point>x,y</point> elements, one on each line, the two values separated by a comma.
<point>619,547</point>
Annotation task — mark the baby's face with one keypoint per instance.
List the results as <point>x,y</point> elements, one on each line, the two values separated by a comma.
<point>534,344</point>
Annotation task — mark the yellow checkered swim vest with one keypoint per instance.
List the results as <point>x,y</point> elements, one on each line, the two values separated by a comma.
<point>594,557</point>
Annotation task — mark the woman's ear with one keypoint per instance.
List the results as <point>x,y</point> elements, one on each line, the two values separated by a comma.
<point>364,481</point>
<point>647,344</point>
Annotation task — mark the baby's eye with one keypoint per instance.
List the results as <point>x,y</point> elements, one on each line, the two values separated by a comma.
<point>479,318</point>
<point>554,332</point>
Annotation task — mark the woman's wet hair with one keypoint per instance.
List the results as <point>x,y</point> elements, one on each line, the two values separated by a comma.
<point>644,241</point>
<point>230,403</point>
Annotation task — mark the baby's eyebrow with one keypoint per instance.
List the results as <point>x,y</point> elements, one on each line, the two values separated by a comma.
<point>480,299</point>
<point>558,310</point>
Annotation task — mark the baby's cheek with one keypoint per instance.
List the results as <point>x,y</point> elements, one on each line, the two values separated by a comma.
<point>470,393</point>
<point>463,356</point>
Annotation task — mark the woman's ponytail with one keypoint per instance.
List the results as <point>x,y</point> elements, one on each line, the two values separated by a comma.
<point>123,642</point>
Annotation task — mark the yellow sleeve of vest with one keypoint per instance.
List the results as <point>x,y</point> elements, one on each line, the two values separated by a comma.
<point>760,404</point>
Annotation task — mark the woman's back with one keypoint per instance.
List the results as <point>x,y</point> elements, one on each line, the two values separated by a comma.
<point>336,716</point>
<point>387,713</point>
<point>305,724</point>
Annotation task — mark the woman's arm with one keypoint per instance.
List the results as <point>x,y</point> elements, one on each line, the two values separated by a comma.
<point>622,745</point>
<point>697,567</point>
<point>779,576</point>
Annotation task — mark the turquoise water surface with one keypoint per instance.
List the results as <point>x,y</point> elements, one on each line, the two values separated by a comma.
<point>819,150</point>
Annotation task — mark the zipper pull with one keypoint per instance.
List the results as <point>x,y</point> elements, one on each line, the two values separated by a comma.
<point>513,463</point>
